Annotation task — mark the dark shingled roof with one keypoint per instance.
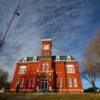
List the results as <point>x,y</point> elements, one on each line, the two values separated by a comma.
<point>46,56</point>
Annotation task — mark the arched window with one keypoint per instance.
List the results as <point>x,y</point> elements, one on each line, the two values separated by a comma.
<point>61,82</point>
<point>75,82</point>
<point>45,67</point>
<point>69,82</point>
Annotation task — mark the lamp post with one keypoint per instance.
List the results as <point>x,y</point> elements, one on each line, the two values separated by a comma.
<point>10,22</point>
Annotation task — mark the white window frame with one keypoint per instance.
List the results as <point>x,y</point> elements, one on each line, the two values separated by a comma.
<point>75,82</point>
<point>46,46</point>
<point>22,69</point>
<point>69,82</point>
<point>22,81</point>
<point>70,68</point>
<point>43,67</point>
<point>46,67</point>
<point>31,82</point>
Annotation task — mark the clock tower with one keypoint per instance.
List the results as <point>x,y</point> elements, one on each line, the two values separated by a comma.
<point>46,47</point>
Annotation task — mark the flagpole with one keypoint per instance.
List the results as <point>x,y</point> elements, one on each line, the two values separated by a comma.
<point>10,22</point>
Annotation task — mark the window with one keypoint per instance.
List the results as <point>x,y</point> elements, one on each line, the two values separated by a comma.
<point>70,68</point>
<point>45,67</point>
<point>45,47</point>
<point>17,82</point>
<point>60,82</point>
<point>22,69</point>
<point>21,82</point>
<point>75,82</point>
<point>57,82</point>
<point>69,82</point>
<point>31,83</point>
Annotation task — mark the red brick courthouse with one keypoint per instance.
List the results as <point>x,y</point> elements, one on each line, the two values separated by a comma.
<point>47,73</point>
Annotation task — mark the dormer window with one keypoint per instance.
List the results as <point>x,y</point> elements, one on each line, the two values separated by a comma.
<point>34,58</point>
<point>57,58</point>
<point>45,46</point>
<point>25,59</point>
<point>68,58</point>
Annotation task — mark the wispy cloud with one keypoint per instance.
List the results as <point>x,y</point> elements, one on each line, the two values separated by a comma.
<point>69,23</point>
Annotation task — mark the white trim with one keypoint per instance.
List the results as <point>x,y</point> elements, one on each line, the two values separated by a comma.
<point>57,58</point>
<point>24,68</point>
<point>46,40</point>
<point>68,58</point>
<point>65,61</point>
<point>27,62</point>
<point>24,59</point>
<point>12,89</point>
<point>70,68</point>
<point>69,90</point>
<point>34,58</point>
<point>59,90</point>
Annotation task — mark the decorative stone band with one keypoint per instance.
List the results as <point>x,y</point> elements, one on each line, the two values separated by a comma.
<point>61,90</point>
<point>28,90</point>
<point>69,90</point>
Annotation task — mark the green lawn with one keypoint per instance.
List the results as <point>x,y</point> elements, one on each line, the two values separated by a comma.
<point>53,96</point>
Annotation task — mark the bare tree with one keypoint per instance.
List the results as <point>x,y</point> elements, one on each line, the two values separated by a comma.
<point>3,78</point>
<point>92,60</point>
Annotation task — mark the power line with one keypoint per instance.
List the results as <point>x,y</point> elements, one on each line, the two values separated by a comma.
<point>10,22</point>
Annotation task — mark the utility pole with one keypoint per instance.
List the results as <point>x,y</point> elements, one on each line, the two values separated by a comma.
<point>9,24</point>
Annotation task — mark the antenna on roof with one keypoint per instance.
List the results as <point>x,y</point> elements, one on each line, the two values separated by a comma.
<point>10,22</point>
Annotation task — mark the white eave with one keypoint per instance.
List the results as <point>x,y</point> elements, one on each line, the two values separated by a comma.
<point>46,40</point>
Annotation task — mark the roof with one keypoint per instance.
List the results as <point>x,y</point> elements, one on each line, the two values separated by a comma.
<point>62,58</point>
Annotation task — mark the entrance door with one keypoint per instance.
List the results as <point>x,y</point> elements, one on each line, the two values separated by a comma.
<point>44,84</point>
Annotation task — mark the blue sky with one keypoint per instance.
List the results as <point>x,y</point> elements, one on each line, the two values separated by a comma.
<point>69,23</point>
